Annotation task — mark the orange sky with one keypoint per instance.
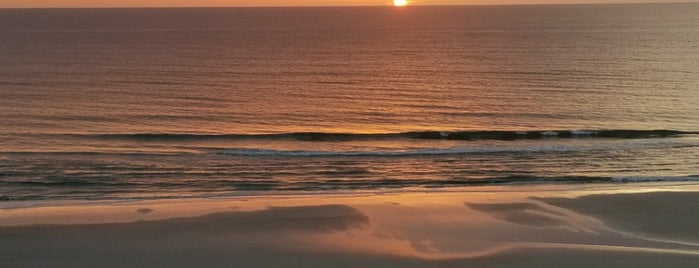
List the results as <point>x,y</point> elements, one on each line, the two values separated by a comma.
<point>161,3</point>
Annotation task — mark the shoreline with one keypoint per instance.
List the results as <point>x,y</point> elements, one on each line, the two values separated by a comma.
<point>567,188</point>
<point>490,226</point>
<point>186,207</point>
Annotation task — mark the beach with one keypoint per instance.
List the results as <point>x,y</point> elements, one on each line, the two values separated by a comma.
<point>363,136</point>
<point>506,226</point>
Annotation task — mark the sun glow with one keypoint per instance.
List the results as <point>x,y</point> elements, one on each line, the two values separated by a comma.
<point>400,3</point>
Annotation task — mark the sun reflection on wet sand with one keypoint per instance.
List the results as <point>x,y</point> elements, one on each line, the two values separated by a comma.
<point>421,226</point>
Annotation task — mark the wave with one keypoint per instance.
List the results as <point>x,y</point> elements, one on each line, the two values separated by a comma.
<point>656,179</point>
<point>487,181</point>
<point>254,152</point>
<point>102,190</point>
<point>421,135</point>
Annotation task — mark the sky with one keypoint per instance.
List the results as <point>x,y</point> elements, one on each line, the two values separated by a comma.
<point>180,3</point>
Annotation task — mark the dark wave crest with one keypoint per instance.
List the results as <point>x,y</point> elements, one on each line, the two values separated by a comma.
<point>421,135</point>
<point>75,189</point>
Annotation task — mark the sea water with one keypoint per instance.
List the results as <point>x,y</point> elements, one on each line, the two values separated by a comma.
<point>112,104</point>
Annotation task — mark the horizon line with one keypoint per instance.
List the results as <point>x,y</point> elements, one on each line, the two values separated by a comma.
<point>358,6</point>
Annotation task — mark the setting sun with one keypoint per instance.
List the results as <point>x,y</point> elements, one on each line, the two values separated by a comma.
<point>400,3</point>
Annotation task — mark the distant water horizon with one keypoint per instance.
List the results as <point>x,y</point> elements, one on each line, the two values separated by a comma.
<point>383,5</point>
<point>154,103</point>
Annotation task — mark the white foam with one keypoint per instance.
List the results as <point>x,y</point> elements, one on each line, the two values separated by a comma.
<point>655,179</point>
<point>583,132</point>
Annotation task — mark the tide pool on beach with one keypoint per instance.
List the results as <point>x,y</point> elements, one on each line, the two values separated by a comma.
<point>647,225</point>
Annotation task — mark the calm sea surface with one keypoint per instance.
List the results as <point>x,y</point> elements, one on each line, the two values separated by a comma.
<point>172,103</point>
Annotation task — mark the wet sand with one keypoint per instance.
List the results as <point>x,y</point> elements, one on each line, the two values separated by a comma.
<point>605,226</point>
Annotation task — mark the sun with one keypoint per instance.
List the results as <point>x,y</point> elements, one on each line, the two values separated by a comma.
<point>400,3</point>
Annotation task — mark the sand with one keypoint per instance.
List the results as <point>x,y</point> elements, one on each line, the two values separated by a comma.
<point>546,226</point>
<point>649,214</point>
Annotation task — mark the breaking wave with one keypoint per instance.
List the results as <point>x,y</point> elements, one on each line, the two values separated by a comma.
<point>254,152</point>
<point>422,135</point>
<point>85,190</point>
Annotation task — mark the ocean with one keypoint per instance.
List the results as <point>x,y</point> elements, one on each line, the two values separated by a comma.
<point>133,104</point>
